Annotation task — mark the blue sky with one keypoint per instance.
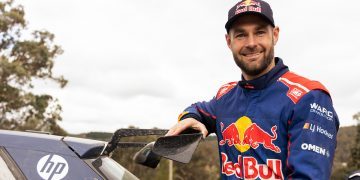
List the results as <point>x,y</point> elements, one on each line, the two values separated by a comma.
<point>141,62</point>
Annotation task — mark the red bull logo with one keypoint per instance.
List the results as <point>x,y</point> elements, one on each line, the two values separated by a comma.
<point>244,134</point>
<point>247,3</point>
<point>249,168</point>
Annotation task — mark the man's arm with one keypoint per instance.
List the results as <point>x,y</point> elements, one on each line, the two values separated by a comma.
<point>312,137</point>
<point>199,116</point>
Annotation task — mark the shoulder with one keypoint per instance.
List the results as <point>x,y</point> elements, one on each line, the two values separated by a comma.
<point>224,89</point>
<point>298,86</point>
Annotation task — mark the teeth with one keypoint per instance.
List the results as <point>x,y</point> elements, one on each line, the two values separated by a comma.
<point>252,54</point>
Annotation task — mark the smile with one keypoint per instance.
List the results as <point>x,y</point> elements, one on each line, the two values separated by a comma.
<point>252,55</point>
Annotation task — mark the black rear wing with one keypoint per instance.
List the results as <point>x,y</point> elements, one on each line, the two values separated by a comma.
<point>179,148</point>
<point>120,133</point>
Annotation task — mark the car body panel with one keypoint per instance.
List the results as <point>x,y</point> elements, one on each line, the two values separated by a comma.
<point>34,141</point>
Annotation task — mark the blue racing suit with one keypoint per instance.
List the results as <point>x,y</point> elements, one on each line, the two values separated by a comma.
<point>277,126</point>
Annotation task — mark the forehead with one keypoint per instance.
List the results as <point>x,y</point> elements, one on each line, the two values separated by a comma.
<point>250,19</point>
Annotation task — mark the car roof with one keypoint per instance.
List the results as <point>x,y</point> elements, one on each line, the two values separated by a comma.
<point>84,148</point>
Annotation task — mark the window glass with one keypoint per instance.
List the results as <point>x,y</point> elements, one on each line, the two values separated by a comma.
<point>5,172</point>
<point>111,169</point>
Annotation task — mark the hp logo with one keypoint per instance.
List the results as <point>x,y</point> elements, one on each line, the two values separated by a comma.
<point>52,167</point>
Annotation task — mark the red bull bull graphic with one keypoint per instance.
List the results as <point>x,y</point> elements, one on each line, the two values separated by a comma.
<point>231,135</point>
<point>248,5</point>
<point>244,134</point>
<point>249,168</point>
<point>254,136</point>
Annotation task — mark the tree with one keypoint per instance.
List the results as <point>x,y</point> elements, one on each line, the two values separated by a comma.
<point>354,163</point>
<point>23,60</point>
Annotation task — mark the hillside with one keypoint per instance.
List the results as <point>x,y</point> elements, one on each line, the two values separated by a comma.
<point>345,140</point>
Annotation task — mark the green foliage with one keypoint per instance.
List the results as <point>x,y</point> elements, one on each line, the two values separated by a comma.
<point>345,141</point>
<point>354,162</point>
<point>21,62</point>
<point>356,117</point>
<point>204,163</point>
<point>99,135</point>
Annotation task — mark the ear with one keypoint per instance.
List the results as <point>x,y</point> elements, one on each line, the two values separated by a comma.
<point>228,40</point>
<point>276,32</point>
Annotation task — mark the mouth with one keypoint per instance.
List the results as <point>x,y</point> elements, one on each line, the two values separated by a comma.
<point>252,56</point>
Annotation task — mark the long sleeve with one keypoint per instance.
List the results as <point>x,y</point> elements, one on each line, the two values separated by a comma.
<point>203,112</point>
<point>312,133</point>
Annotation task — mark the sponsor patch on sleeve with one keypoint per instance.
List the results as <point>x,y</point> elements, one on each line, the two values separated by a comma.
<point>299,86</point>
<point>225,89</point>
<point>318,130</point>
<point>315,149</point>
<point>321,111</point>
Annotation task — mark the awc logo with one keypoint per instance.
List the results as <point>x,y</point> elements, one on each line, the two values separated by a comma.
<point>52,167</point>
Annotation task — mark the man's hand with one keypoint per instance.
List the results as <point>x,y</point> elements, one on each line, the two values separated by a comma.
<point>185,124</point>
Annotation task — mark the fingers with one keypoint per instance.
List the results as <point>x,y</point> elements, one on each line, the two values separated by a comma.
<point>178,128</point>
<point>170,132</point>
<point>201,127</point>
<point>185,124</point>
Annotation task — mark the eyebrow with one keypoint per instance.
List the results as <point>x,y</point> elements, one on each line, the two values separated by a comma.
<point>240,30</point>
<point>261,26</point>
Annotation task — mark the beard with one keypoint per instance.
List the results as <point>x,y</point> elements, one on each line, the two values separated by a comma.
<point>254,70</point>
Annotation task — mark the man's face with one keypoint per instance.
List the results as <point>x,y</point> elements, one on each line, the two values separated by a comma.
<point>251,40</point>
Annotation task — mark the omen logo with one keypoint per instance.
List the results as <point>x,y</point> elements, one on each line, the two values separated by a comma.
<point>52,167</point>
<point>315,148</point>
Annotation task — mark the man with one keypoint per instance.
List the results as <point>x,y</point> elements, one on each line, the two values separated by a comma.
<point>273,124</point>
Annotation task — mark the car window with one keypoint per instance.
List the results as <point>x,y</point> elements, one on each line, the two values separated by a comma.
<point>110,169</point>
<point>8,169</point>
<point>5,172</point>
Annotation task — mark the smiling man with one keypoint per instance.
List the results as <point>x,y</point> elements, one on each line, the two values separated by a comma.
<point>273,123</point>
<point>251,40</point>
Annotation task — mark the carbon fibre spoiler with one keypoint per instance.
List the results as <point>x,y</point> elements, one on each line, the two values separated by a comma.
<point>179,148</point>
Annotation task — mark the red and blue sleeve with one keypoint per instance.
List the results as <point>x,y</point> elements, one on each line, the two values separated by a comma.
<point>204,112</point>
<point>312,131</point>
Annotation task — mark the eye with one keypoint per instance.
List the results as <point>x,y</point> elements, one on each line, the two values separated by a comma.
<point>240,35</point>
<point>260,33</point>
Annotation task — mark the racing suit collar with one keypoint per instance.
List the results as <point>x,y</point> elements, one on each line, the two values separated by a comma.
<point>266,79</point>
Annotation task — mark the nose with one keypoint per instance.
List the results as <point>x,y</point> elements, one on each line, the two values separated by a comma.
<point>251,42</point>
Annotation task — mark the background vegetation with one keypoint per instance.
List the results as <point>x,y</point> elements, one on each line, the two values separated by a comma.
<point>22,61</point>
